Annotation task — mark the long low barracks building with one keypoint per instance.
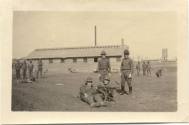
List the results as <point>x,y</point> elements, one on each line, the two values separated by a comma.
<point>83,59</point>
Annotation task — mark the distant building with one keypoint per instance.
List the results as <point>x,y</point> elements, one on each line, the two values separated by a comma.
<point>79,58</point>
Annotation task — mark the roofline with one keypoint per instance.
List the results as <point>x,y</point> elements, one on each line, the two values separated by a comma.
<point>81,47</point>
<point>70,57</point>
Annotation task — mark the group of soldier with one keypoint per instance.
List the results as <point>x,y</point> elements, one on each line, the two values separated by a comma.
<point>98,94</point>
<point>95,94</point>
<point>126,70</point>
<point>146,68</point>
<point>26,71</point>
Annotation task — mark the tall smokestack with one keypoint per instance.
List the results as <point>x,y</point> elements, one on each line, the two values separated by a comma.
<point>95,36</point>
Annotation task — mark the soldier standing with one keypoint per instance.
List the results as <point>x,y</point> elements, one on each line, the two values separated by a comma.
<point>39,68</point>
<point>89,94</point>
<point>148,68</point>
<point>24,71</point>
<point>30,67</point>
<point>18,67</point>
<point>144,68</point>
<point>126,72</point>
<point>138,68</point>
<point>103,66</point>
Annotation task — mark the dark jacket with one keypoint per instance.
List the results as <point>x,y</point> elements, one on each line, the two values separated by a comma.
<point>104,64</point>
<point>127,64</point>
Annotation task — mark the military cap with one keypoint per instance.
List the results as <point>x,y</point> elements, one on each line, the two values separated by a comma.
<point>89,79</point>
<point>126,52</point>
<point>103,53</point>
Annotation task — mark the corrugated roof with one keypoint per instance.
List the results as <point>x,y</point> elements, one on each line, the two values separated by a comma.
<point>76,52</point>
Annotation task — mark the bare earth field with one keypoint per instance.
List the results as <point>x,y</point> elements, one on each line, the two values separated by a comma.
<point>58,92</point>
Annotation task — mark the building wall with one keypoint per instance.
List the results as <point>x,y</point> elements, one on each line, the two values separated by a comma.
<point>81,66</point>
<point>57,65</point>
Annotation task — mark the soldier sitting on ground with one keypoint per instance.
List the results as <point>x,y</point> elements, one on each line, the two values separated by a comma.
<point>106,90</point>
<point>159,73</point>
<point>89,94</point>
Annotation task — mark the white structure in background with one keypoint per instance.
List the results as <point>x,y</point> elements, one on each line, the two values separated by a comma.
<point>164,54</point>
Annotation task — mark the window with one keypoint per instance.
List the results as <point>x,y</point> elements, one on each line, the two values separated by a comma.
<point>50,60</point>
<point>84,59</point>
<point>118,59</point>
<point>62,60</point>
<point>95,59</point>
<point>74,60</point>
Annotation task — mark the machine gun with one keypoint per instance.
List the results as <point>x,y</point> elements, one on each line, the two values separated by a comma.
<point>107,92</point>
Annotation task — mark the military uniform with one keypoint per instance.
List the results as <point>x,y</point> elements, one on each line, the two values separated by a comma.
<point>30,67</point>
<point>148,69</point>
<point>39,68</point>
<point>159,73</point>
<point>138,68</point>
<point>18,66</point>
<point>106,90</point>
<point>89,95</point>
<point>144,67</point>
<point>24,70</point>
<point>103,67</point>
<point>126,73</point>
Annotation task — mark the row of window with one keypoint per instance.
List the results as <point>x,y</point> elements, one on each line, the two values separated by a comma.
<point>118,59</point>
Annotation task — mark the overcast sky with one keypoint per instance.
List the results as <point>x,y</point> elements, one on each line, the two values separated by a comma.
<point>146,33</point>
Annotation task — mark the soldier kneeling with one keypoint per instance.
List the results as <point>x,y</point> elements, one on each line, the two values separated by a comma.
<point>159,73</point>
<point>90,95</point>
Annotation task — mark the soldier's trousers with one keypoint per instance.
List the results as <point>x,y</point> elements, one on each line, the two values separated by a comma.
<point>97,98</point>
<point>138,72</point>
<point>125,78</point>
<point>30,73</point>
<point>148,72</point>
<point>39,72</point>
<point>24,74</point>
<point>144,72</point>
<point>103,74</point>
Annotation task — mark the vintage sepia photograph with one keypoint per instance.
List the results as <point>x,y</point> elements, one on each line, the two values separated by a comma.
<point>82,61</point>
<point>91,61</point>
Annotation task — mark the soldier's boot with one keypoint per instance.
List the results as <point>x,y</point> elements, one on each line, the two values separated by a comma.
<point>122,90</point>
<point>103,104</point>
<point>95,105</point>
<point>92,104</point>
<point>130,90</point>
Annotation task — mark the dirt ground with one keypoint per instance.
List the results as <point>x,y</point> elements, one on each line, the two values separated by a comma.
<point>59,92</point>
